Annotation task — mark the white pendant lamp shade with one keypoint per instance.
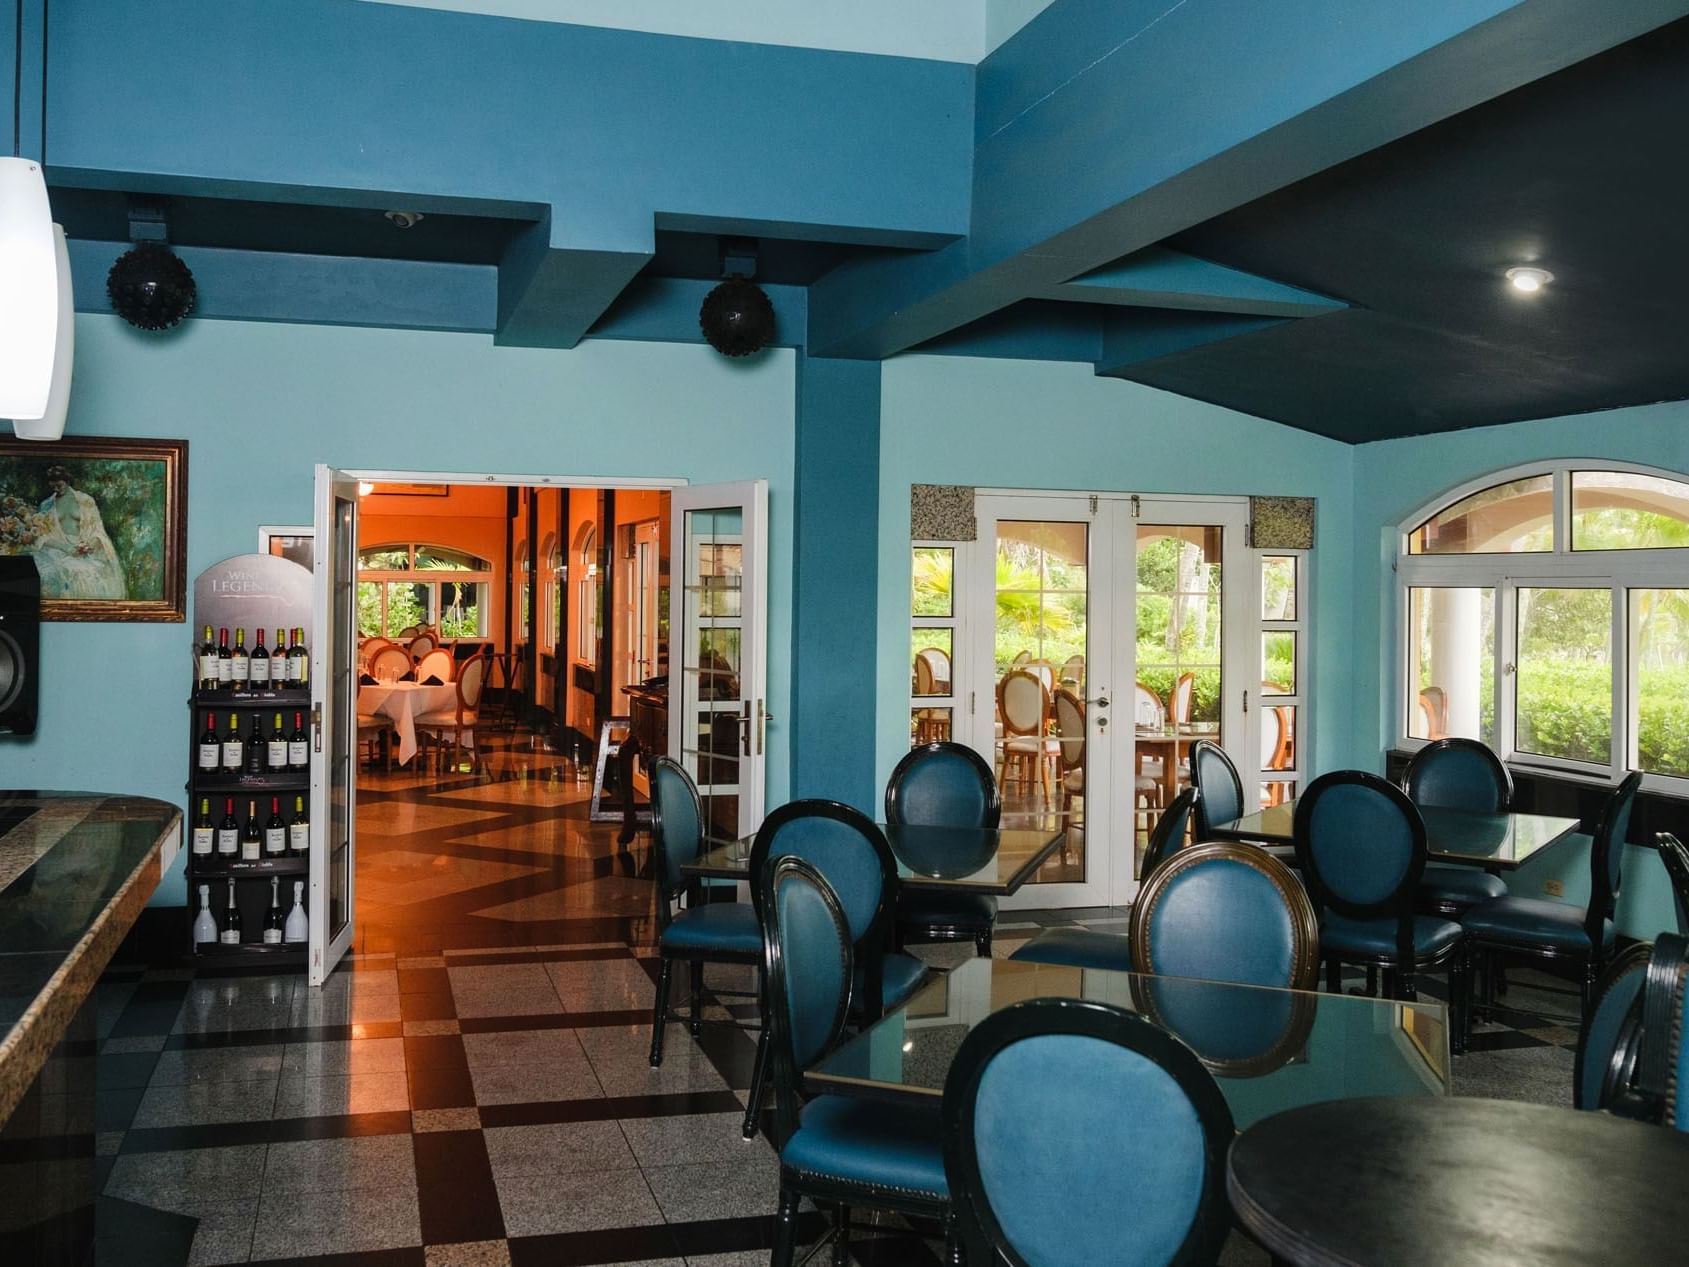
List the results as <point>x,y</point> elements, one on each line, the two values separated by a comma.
<point>29,284</point>
<point>51,424</point>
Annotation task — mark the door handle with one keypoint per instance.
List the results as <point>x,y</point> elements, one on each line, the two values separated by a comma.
<point>1101,701</point>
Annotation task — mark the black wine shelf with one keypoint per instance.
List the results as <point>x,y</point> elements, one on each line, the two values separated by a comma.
<point>207,784</point>
<point>300,696</point>
<point>217,868</point>
<point>287,952</point>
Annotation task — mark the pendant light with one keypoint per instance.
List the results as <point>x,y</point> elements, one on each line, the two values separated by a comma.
<point>51,424</point>
<point>30,282</point>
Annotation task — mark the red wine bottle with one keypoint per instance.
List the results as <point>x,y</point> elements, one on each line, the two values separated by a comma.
<point>251,835</point>
<point>258,667</point>
<point>299,745</point>
<point>228,831</point>
<point>254,757</point>
<point>210,747</point>
<point>275,831</point>
<point>240,664</point>
<point>225,662</point>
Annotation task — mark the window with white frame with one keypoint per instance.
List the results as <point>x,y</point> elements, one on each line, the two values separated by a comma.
<point>1283,583</point>
<point>1545,611</point>
<point>933,616</point>
<point>587,594</point>
<point>413,584</point>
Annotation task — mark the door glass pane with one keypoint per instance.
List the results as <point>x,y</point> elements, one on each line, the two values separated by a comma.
<point>1618,510</point>
<point>343,697</point>
<point>714,738</point>
<point>1278,737</point>
<point>1452,643</point>
<point>1278,662</point>
<point>929,725</point>
<point>1511,518</point>
<point>933,568</point>
<point>1278,587</point>
<point>931,659</point>
<point>1565,700</point>
<point>1040,645</point>
<point>1659,620</point>
<point>1277,793</point>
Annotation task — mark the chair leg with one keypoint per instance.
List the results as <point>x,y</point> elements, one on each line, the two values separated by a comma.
<point>982,943</point>
<point>785,1229</point>
<point>953,1256</point>
<point>1460,995</point>
<point>841,1236</point>
<point>660,1012</point>
<point>759,1071</point>
<point>1372,982</point>
<point>697,1019</point>
<point>1333,976</point>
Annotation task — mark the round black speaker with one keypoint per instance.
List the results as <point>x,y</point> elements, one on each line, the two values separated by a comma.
<point>150,287</point>
<point>737,318</point>
<point>13,671</point>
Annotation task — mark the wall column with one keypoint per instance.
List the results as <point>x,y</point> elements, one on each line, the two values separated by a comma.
<point>835,538</point>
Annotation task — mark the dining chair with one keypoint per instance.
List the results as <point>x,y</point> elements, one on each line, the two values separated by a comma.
<point>1220,790</point>
<point>389,657</point>
<point>461,719</point>
<point>1021,657</point>
<point>839,1151</point>
<point>408,632</point>
<point>1063,1115</point>
<point>1183,698</point>
<point>938,665</point>
<point>1458,774</point>
<point>368,647</point>
<point>1023,706</point>
<point>421,645</point>
<point>1608,1046</point>
<point>1148,713</point>
<point>1658,1093</point>
<point>944,785</point>
<point>1559,931</point>
<point>1436,705</point>
<point>1073,670</point>
<point>1675,856</point>
<point>690,928</point>
<point>1069,712</point>
<point>376,731</point>
<point>1361,848</point>
<point>437,664</point>
<point>1090,947</point>
<point>847,848</point>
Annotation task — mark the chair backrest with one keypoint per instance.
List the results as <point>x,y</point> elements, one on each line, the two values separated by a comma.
<point>1060,1114</point>
<point>938,660</point>
<point>1272,738</point>
<point>471,681</point>
<point>1021,657</point>
<point>1073,669</point>
<point>677,824</point>
<point>1043,670</point>
<point>437,663</point>
<point>924,681</point>
<point>1220,791</point>
<point>1610,1042</point>
<point>1184,691</point>
<point>1676,859</point>
<point>1070,728</point>
<point>1022,703</point>
<point>1226,912</point>
<point>1606,855</point>
<point>943,785</point>
<point>409,632</point>
<point>369,646</point>
<point>422,644</point>
<point>1147,710</point>
<point>1436,712</point>
<point>846,847</point>
<point>1459,774</point>
<point>1663,1062</point>
<point>390,656</point>
<point>1360,844</point>
<point>1169,833</point>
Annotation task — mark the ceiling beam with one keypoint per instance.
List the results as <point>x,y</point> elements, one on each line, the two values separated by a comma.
<point>549,294</point>
<point>1163,278</point>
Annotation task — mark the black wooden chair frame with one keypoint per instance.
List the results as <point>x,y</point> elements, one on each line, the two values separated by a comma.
<point>908,934</point>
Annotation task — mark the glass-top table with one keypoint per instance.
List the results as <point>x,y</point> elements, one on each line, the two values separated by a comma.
<point>1497,842</point>
<point>954,859</point>
<point>1268,1049</point>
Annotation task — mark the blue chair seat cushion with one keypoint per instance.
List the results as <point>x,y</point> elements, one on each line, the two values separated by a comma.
<point>900,976</point>
<point>1460,886</point>
<point>1078,948</point>
<point>937,910</point>
<point>1533,921</point>
<point>727,928</point>
<point>880,1146</point>
<point>1377,937</point>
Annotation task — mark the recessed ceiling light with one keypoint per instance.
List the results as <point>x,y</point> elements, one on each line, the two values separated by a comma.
<point>1529,280</point>
<point>365,488</point>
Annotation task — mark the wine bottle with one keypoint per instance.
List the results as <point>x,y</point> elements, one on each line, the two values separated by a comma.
<point>297,927</point>
<point>281,664</point>
<point>228,831</point>
<point>299,830</point>
<point>275,831</point>
<point>258,667</point>
<point>254,754</point>
<point>225,662</point>
<point>205,836</point>
<point>230,936</point>
<point>207,680</point>
<point>275,752</point>
<point>240,664</point>
<point>251,837</point>
<point>273,921</point>
<point>205,928</point>
<point>233,753</point>
<point>299,745</point>
<point>297,651</point>
<point>210,747</point>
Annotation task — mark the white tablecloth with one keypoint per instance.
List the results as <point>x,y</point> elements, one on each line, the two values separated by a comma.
<point>404,702</point>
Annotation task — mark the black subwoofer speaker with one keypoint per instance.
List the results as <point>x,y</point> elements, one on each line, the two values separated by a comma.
<point>20,644</point>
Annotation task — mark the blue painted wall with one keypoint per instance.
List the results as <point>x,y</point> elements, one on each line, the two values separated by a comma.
<point>113,694</point>
<point>1394,479</point>
<point>1040,425</point>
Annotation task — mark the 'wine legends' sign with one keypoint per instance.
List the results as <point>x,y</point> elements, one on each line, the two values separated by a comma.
<point>252,592</point>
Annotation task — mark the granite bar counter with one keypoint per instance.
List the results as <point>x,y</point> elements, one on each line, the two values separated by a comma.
<point>76,869</point>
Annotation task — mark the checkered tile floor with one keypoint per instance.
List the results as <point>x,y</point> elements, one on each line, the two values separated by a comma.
<point>473,1087</point>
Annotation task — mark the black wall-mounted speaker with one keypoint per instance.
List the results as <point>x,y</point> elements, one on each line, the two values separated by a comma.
<point>20,644</point>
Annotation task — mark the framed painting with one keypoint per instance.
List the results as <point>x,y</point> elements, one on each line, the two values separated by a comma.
<point>106,522</point>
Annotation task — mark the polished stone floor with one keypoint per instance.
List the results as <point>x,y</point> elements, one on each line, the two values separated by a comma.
<point>472,1087</point>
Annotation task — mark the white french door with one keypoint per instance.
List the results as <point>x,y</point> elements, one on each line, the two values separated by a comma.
<point>1105,635</point>
<point>334,661</point>
<point>718,611</point>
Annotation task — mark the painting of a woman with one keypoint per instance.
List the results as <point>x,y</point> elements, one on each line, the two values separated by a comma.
<point>75,556</point>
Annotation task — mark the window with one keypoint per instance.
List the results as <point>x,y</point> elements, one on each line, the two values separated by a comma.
<point>1284,684</point>
<point>1547,614</point>
<point>418,584</point>
<point>587,591</point>
<point>932,644</point>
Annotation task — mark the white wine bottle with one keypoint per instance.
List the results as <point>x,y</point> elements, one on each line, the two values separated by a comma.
<point>299,830</point>
<point>205,928</point>
<point>233,750</point>
<point>275,752</point>
<point>205,835</point>
<point>230,936</point>
<point>273,921</point>
<point>297,927</point>
<point>208,673</point>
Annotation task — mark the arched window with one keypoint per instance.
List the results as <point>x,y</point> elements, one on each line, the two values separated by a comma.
<point>413,584</point>
<point>587,592</point>
<point>1545,611</point>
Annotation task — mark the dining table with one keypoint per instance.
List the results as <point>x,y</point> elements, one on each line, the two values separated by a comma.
<point>1169,746</point>
<point>1496,842</point>
<point>1268,1049</point>
<point>988,861</point>
<point>403,703</point>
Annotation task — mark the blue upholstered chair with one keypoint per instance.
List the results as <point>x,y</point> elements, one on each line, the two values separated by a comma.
<point>1658,1091</point>
<point>1075,1132</point>
<point>846,847</point>
<point>1219,789</point>
<point>1556,930</point>
<point>1458,774</point>
<point>1361,845</point>
<point>701,932</point>
<point>1675,857</point>
<point>1611,1039</point>
<point>836,1150</point>
<point>944,785</point>
<point>1089,947</point>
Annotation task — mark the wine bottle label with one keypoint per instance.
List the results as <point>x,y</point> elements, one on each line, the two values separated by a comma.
<point>299,837</point>
<point>208,755</point>
<point>275,840</point>
<point>295,668</point>
<point>229,937</point>
<point>225,670</point>
<point>240,667</point>
<point>231,754</point>
<point>260,672</point>
<point>228,841</point>
<point>202,840</point>
<point>298,753</point>
<point>272,936</point>
<point>249,851</point>
<point>208,667</point>
<point>275,754</point>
